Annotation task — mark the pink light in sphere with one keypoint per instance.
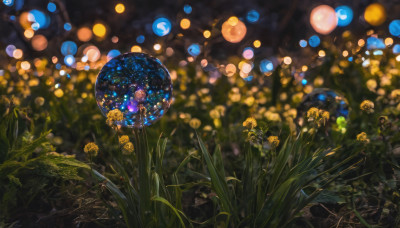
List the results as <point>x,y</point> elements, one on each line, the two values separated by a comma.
<point>323,19</point>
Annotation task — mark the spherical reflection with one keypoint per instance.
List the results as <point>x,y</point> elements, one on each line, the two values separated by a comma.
<point>323,19</point>
<point>136,84</point>
<point>375,14</point>
<point>39,43</point>
<point>233,30</point>
<point>84,34</point>
<point>326,100</point>
<point>92,53</point>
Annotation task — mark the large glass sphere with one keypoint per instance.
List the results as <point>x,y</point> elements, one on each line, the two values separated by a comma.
<point>136,84</point>
<point>326,100</point>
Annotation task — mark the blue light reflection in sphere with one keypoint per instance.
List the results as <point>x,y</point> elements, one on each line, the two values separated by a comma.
<point>134,83</point>
<point>394,27</point>
<point>161,26</point>
<point>344,15</point>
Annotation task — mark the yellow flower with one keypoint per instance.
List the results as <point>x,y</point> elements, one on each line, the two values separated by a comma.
<point>367,106</point>
<point>214,114</point>
<point>324,116</point>
<point>195,123</point>
<point>127,148</point>
<point>123,139</point>
<point>273,141</point>
<point>362,137</point>
<point>250,123</point>
<point>91,149</point>
<point>395,94</point>
<point>113,116</point>
<point>312,114</point>
<point>39,101</point>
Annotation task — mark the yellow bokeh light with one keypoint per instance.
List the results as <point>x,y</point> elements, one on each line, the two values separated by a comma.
<point>17,53</point>
<point>25,65</point>
<point>99,30</point>
<point>361,42</point>
<point>257,43</point>
<point>120,8</point>
<point>304,68</point>
<point>59,93</point>
<point>345,53</point>
<point>185,23</point>
<point>136,48</point>
<point>375,14</point>
<point>233,21</point>
<point>321,53</point>
<point>233,30</point>
<point>287,60</point>
<point>388,41</point>
<point>157,47</point>
<point>29,33</point>
<point>207,34</point>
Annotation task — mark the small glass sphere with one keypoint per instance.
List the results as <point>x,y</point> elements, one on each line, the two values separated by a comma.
<point>324,99</point>
<point>136,84</point>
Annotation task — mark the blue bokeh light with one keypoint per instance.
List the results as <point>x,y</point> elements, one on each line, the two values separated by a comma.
<point>394,28</point>
<point>266,66</point>
<point>69,60</point>
<point>396,49</point>
<point>8,2</point>
<point>304,81</point>
<point>194,49</point>
<point>69,48</point>
<point>344,15</point>
<point>113,53</point>
<point>252,16</point>
<point>161,26</point>
<point>314,41</point>
<point>140,39</point>
<point>303,43</point>
<point>67,26</point>
<point>51,7</point>
<point>375,43</point>
<point>187,9</point>
<point>39,19</point>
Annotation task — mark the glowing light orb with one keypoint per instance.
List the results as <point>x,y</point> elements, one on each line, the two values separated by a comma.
<point>67,26</point>
<point>248,53</point>
<point>92,52</point>
<point>252,16</point>
<point>344,15</point>
<point>8,2</point>
<point>187,9</point>
<point>161,26</point>
<point>112,54</point>
<point>323,19</point>
<point>257,43</point>
<point>10,50</point>
<point>84,34</point>
<point>39,19</point>
<point>51,7</point>
<point>206,34</point>
<point>375,43</point>
<point>303,43</point>
<point>39,43</point>
<point>140,39</point>
<point>69,48</point>
<point>120,8</point>
<point>185,23</point>
<point>394,28</point>
<point>266,66</point>
<point>136,48</point>
<point>314,41</point>
<point>396,49</point>
<point>194,49</point>
<point>233,30</point>
<point>18,53</point>
<point>69,60</point>
<point>136,84</point>
<point>375,14</point>
<point>99,30</point>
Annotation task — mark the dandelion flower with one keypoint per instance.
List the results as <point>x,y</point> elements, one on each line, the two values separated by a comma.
<point>250,123</point>
<point>91,149</point>
<point>324,116</point>
<point>273,141</point>
<point>114,116</point>
<point>367,106</point>
<point>362,137</point>
<point>312,114</point>
<point>195,123</point>
<point>127,148</point>
<point>123,139</point>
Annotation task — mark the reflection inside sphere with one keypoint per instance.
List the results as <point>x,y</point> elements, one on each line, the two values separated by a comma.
<point>134,83</point>
<point>324,99</point>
